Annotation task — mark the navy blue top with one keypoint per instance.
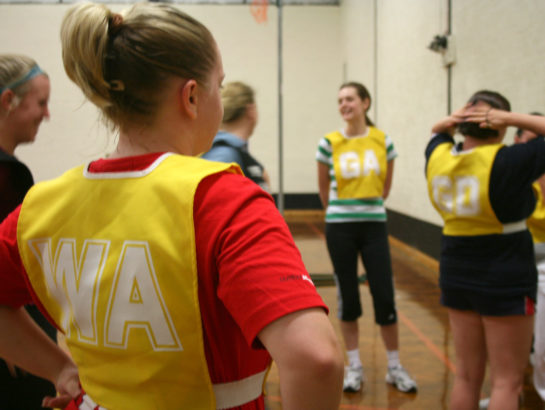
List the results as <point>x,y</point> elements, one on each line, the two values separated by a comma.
<point>227,147</point>
<point>225,152</point>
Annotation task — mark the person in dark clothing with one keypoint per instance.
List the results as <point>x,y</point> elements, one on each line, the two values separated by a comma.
<point>24,96</point>
<point>483,191</point>
<point>231,142</point>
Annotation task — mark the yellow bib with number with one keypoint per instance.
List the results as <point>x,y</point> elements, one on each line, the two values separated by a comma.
<point>112,258</point>
<point>360,164</point>
<point>458,185</point>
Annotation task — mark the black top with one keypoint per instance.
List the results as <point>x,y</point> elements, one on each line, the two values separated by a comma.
<point>15,181</point>
<point>24,391</point>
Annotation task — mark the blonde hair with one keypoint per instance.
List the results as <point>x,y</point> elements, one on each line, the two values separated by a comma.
<point>13,69</point>
<point>235,97</point>
<point>122,62</point>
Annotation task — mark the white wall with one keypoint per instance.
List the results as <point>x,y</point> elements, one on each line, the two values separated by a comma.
<point>504,52</point>
<point>250,53</point>
<point>406,80</point>
<point>312,76</point>
<point>358,44</point>
<point>499,46</point>
<point>411,95</point>
<point>73,134</point>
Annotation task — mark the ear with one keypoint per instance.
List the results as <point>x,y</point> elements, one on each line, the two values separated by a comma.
<point>7,100</point>
<point>366,104</point>
<point>251,111</point>
<point>188,95</point>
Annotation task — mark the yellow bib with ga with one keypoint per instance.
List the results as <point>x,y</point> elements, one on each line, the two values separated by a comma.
<point>360,164</point>
<point>458,185</point>
<point>112,259</point>
<point>536,222</point>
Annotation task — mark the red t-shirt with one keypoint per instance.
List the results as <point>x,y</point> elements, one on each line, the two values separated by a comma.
<point>250,271</point>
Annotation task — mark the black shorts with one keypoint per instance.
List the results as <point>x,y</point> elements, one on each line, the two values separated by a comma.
<point>488,304</point>
<point>347,240</point>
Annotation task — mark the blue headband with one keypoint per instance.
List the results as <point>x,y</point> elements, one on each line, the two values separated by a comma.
<point>34,71</point>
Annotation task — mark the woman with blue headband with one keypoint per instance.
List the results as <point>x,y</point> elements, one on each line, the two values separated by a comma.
<point>24,95</point>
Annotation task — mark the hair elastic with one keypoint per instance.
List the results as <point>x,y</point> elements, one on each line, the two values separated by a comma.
<point>115,85</point>
<point>34,71</point>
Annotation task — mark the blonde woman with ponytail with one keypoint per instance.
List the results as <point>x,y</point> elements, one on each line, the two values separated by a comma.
<point>238,124</point>
<point>174,279</point>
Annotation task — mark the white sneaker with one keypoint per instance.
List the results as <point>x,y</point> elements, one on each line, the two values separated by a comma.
<point>353,379</point>
<point>401,380</point>
<point>483,403</point>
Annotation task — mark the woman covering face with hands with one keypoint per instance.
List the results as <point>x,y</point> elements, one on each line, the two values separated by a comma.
<point>483,191</point>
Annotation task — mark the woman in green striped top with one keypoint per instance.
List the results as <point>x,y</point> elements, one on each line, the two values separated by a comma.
<point>355,167</point>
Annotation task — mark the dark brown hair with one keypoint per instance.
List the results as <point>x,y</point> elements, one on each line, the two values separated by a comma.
<point>495,100</point>
<point>363,93</point>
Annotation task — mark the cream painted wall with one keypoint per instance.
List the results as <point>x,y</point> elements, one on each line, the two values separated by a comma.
<point>504,52</point>
<point>312,76</point>
<point>358,43</point>
<point>412,90</point>
<point>311,69</point>
<point>499,45</point>
<point>73,135</point>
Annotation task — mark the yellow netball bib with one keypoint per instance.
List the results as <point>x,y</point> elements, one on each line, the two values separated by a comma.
<point>536,222</point>
<point>360,164</point>
<point>112,258</point>
<point>458,185</point>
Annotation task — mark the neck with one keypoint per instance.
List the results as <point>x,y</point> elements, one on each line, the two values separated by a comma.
<point>161,136</point>
<point>7,144</point>
<point>470,142</point>
<point>169,130</point>
<point>356,127</point>
<point>241,128</point>
<point>8,149</point>
<point>131,144</point>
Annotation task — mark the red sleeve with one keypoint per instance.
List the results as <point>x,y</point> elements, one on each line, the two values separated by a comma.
<point>13,287</point>
<point>245,246</point>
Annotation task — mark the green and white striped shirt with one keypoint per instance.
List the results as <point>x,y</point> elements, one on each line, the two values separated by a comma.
<point>352,209</point>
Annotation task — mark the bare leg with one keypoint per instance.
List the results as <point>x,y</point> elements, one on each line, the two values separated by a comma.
<point>539,334</point>
<point>390,336</point>
<point>508,341</point>
<point>469,342</point>
<point>349,330</point>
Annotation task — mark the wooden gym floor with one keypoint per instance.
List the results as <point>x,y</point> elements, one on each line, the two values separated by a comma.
<point>426,347</point>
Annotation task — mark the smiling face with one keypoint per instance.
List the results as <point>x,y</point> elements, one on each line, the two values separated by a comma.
<point>351,106</point>
<point>25,118</point>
